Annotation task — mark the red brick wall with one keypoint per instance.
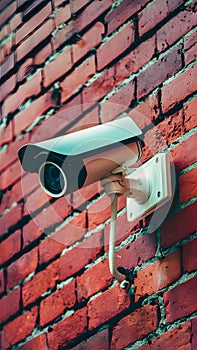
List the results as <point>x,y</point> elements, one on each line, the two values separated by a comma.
<point>70,64</point>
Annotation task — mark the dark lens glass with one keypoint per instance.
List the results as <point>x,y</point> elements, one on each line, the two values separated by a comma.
<point>53,179</point>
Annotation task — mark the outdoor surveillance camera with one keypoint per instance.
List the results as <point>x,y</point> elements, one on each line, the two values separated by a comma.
<point>67,163</point>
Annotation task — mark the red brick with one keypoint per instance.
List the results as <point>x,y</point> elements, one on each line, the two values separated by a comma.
<point>158,72</point>
<point>66,331</point>
<point>36,200</point>
<point>29,182</point>
<point>2,286</point>
<point>57,303</point>
<point>58,3</point>
<point>8,12</point>
<point>173,4</point>
<point>154,142</point>
<point>22,267</point>
<point>93,280</point>
<point>115,45</point>
<point>178,338</point>
<point>63,35</point>
<point>42,55</point>
<point>189,256</point>
<point>25,69</point>
<point>190,48</point>
<point>118,103</point>
<point>146,112</point>
<point>35,39</point>
<point>183,155</point>
<point>33,23</point>
<point>136,253</point>
<point>115,300</point>
<point>4,31</point>
<point>179,88</point>
<point>175,28</point>
<point>77,78</point>
<point>24,324</point>
<point>135,59</point>
<point>10,175</point>
<point>9,304</point>
<point>142,322</point>
<point>77,258</point>
<point>194,333</point>
<point>121,13</point>
<point>73,231</point>
<point>63,15</point>
<point>31,6</point>
<point>85,194</point>
<point>30,88</point>
<point>89,40</point>
<point>6,50</point>
<point>88,120</point>
<point>172,127</point>
<point>158,275</point>
<point>36,343</point>
<point>9,154</point>
<point>34,110</point>
<point>93,11</point>
<point>76,5</point>
<point>187,185</point>
<point>15,21</point>
<point>10,219</point>
<point>58,67</point>
<point>31,232</point>
<point>151,16</point>
<point>99,212</point>
<point>7,65</point>
<point>56,123</point>
<point>5,134</point>
<point>40,283</point>
<point>100,87</point>
<point>54,214</point>
<point>175,305</point>
<point>185,222</point>
<point>190,114</point>
<point>97,342</point>
<point>10,246</point>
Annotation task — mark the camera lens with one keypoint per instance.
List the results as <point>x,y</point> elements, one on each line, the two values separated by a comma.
<point>52,179</point>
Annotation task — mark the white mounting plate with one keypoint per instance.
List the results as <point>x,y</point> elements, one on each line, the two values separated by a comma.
<point>158,173</point>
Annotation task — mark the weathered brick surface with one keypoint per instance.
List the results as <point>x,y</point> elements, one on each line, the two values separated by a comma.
<point>40,283</point>
<point>98,314</point>
<point>70,65</point>
<point>77,78</point>
<point>158,275</point>
<point>66,330</point>
<point>177,338</point>
<point>179,88</point>
<point>176,228</point>
<point>96,342</point>
<point>156,11</point>
<point>160,71</point>
<point>57,303</point>
<point>189,261</point>
<point>10,246</point>
<point>9,304</point>
<point>142,321</point>
<point>28,320</point>
<point>22,267</point>
<point>177,307</point>
<point>116,45</point>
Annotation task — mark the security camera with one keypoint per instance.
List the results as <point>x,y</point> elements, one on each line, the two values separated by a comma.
<point>67,163</point>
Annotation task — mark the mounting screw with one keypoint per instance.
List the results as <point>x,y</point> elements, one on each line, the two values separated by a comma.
<point>158,194</point>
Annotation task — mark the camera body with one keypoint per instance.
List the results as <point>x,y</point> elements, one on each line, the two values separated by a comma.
<point>69,162</point>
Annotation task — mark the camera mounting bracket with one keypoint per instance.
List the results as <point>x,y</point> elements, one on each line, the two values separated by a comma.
<point>157,173</point>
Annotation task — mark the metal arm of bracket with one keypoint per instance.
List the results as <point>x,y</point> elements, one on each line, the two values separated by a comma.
<point>116,184</point>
